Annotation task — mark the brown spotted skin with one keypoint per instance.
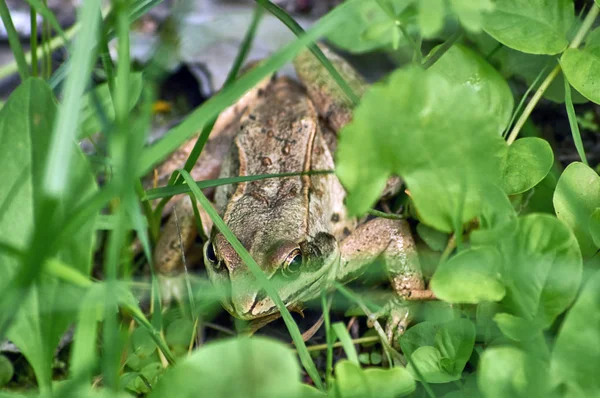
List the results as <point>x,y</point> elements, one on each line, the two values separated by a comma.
<point>276,219</point>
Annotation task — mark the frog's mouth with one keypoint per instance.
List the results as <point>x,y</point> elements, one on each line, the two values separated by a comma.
<point>263,306</point>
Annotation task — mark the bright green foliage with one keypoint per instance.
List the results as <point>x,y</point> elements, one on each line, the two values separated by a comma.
<point>6,370</point>
<point>541,268</point>
<point>576,355</point>
<point>431,16</point>
<point>50,307</point>
<point>516,328</point>
<point>469,277</point>
<point>256,367</point>
<point>471,13</point>
<point>407,126</point>
<point>435,239</point>
<point>353,382</point>
<point>528,67</point>
<point>581,66</point>
<point>463,66</point>
<point>179,335</point>
<point>91,122</point>
<point>577,196</point>
<point>439,351</point>
<point>372,26</point>
<point>529,160</point>
<point>531,26</point>
<point>594,224</point>
<point>533,266</point>
<point>508,372</point>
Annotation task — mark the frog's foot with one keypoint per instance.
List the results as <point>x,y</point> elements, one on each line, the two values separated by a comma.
<point>398,315</point>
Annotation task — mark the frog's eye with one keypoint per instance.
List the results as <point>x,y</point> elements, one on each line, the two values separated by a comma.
<point>209,253</point>
<point>293,263</point>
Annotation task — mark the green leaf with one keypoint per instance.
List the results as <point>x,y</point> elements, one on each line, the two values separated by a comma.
<point>455,341</point>
<point>594,224</point>
<point>407,126</point>
<point>6,370</point>
<point>353,382</point>
<point>90,118</point>
<point>51,306</point>
<point>528,161</point>
<point>429,362</point>
<point>471,13</point>
<point>497,220</point>
<point>541,268</point>
<point>179,335</point>
<point>581,66</point>
<point>472,276</point>
<point>421,334</point>
<point>342,334</point>
<point>531,26</point>
<point>576,197</point>
<point>507,372</point>
<point>367,28</point>
<point>431,16</point>
<point>516,328</point>
<point>435,239</point>
<point>463,66</point>
<point>439,351</point>
<point>141,343</point>
<point>576,354</point>
<point>245,368</point>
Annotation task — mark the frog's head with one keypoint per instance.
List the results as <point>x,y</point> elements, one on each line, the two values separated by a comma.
<point>298,268</point>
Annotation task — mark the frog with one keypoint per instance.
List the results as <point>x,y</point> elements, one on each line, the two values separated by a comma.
<point>296,227</point>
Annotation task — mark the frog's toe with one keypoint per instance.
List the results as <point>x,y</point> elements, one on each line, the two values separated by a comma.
<point>398,318</point>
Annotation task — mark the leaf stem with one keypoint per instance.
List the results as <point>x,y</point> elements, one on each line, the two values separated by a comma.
<point>581,33</point>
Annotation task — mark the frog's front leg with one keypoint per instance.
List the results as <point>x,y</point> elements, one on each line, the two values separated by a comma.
<point>391,241</point>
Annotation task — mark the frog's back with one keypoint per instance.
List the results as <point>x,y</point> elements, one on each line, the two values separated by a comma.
<point>280,134</point>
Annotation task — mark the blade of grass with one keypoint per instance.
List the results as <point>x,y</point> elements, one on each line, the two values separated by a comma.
<point>523,98</point>
<point>229,95</point>
<point>441,50</point>
<point>329,338</point>
<point>573,122</point>
<point>261,278</point>
<point>120,143</point>
<point>13,40</point>
<point>171,190</point>
<point>288,21</point>
<point>340,330</point>
<point>65,130</point>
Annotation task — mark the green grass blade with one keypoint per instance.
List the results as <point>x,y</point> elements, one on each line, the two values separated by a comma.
<point>573,122</point>
<point>176,136</point>
<point>65,130</point>
<point>13,40</point>
<point>262,279</point>
<point>329,339</point>
<point>522,101</point>
<point>284,17</point>
<point>168,191</point>
<point>340,330</point>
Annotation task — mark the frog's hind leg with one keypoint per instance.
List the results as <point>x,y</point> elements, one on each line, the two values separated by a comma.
<point>391,241</point>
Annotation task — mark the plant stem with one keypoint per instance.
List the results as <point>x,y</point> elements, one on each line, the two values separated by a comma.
<point>581,33</point>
